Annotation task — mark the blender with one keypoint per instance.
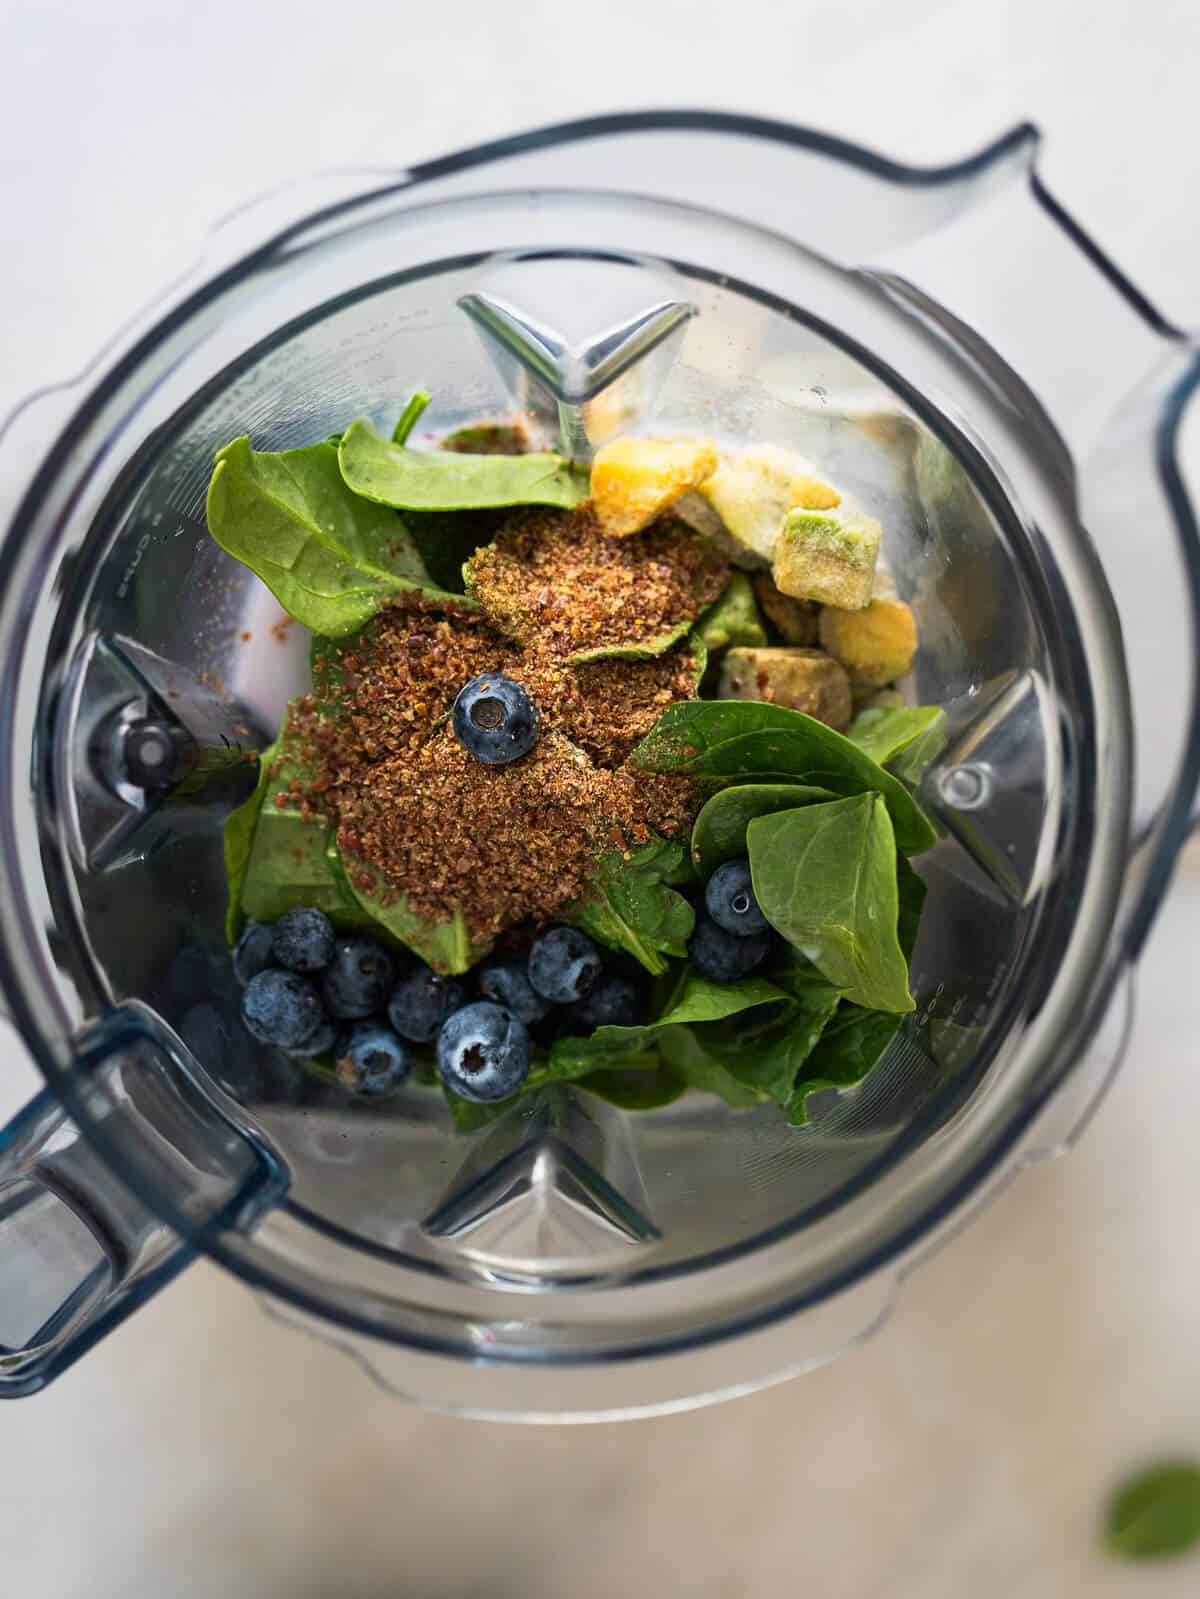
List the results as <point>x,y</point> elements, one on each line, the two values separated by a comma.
<point>949,344</point>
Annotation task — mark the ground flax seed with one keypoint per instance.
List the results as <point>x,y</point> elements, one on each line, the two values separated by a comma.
<point>517,843</point>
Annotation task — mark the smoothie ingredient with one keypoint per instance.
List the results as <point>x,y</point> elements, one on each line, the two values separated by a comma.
<point>421,1001</point>
<point>487,438</point>
<point>794,620</point>
<point>631,906</point>
<point>730,900</point>
<point>734,619</point>
<point>884,732</point>
<point>495,720</point>
<point>252,953</point>
<point>562,581</point>
<point>280,1007</point>
<point>506,983</point>
<point>1155,1514</point>
<point>803,679</point>
<point>614,1001</point>
<point>751,493</point>
<point>357,979</point>
<point>634,480</point>
<point>876,645</point>
<point>329,557</point>
<point>723,957</point>
<point>827,556</point>
<point>719,832</point>
<point>563,965</point>
<point>483,1052</point>
<point>825,877</point>
<point>371,1060</point>
<point>444,480</point>
<point>303,940</point>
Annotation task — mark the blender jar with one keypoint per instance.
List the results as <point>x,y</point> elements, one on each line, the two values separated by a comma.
<point>946,342</point>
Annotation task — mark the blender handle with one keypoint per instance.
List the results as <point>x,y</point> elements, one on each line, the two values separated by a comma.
<point>78,1250</point>
<point>92,1225</point>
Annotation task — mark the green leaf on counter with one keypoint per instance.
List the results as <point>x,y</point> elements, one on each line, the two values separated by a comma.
<point>719,832</point>
<point>744,740</point>
<point>884,732</point>
<point>825,878</point>
<point>1155,1514</point>
<point>330,558</point>
<point>631,907</point>
<point>443,480</point>
<point>733,620</point>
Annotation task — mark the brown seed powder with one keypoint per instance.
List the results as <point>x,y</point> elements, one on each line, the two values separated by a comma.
<point>557,581</point>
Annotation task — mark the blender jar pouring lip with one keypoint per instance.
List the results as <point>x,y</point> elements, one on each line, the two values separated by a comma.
<point>915,213</point>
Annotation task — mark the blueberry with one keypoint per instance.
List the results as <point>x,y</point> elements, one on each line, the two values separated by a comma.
<point>483,1052</point>
<point>281,1008</point>
<point>319,1043</point>
<point>421,1001</point>
<point>371,1060</point>
<point>357,979</point>
<point>495,720</point>
<point>303,940</point>
<point>729,899</point>
<point>253,951</point>
<point>563,965</point>
<point>507,983</point>
<point>613,1002</point>
<point>724,957</point>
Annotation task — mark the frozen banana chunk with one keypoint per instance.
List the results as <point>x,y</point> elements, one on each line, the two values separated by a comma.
<point>813,493</point>
<point>799,679</point>
<point>634,480</point>
<point>795,620</point>
<point>876,645</point>
<point>828,556</point>
<point>745,501</point>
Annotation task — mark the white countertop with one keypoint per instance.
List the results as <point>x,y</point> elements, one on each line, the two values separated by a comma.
<point>205,1451</point>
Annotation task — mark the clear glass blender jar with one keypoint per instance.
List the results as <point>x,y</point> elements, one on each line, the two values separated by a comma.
<point>946,342</point>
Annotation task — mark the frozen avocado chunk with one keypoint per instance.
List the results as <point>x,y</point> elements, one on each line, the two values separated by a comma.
<point>876,645</point>
<point>795,620</point>
<point>798,679</point>
<point>746,499</point>
<point>827,556</point>
<point>734,619</point>
<point>635,480</point>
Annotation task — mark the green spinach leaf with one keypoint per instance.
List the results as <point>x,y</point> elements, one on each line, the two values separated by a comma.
<point>442,480</point>
<point>825,877</point>
<point>275,859</point>
<point>743,740</point>
<point>631,907</point>
<point>884,732</point>
<point>733,619</point>
<point>644,650</point>
<point>850,1045</point>
<point>1156,1513</point>
<point>637,1088</point>
<point>910,891</point>
<point>719,833</point>
<point>447,946</point>
<point>410,416</point>
<point>329,557</point>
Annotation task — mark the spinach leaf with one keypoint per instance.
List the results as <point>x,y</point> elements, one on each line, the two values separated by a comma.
<point>1156,1513</point>
<point>442,480</point>
<point>275,859</point>
<point>695,1000</point>
<point>447,946</point>
<point>719,832</point>
<point>644,650</point>
<point>637,1088</point>
<point>630,906</point>
<point>745,740</point>
<point>747,1059</point>
<point>734,618</point>
<point>239,840</point>
<point>910,890</point>
<point>883,732</point>
<point>329,558</point>
<point>410,416</point>
<point>469,1117</point>
<point>825,877</point>
<point>850,1045</point>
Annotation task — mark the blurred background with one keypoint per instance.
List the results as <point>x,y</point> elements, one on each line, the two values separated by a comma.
<point>205,1451</point>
